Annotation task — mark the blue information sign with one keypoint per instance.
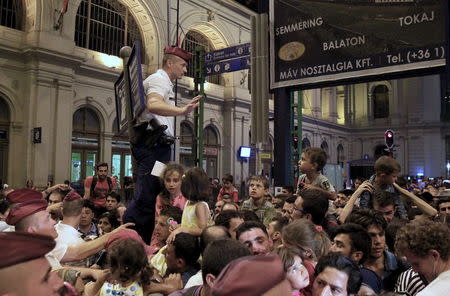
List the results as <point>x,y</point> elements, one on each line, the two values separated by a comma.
<point>227,53</point>
<point>227,66</point>
<point>135,75</point>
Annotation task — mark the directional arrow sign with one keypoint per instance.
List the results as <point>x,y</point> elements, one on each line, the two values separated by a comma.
<point>227,53</point>
<point>227,66</point>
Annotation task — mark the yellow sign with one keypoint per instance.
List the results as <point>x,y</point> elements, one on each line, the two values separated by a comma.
<point>265,155</point>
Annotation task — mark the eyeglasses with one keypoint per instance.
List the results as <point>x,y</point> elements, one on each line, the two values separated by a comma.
<point>444,208</point>
<point>300,210</point>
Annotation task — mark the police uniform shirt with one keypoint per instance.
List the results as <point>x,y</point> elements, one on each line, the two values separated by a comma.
<point>159,83</point>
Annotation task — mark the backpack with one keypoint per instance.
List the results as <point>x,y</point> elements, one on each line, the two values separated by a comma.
<point>94,183</point>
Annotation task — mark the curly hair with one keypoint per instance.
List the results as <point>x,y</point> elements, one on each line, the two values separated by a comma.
<point>421,236</point>
<point>366,218</point>
<point>129,258</point>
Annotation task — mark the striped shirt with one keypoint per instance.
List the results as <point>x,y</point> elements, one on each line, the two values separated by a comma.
<point>409,283</point>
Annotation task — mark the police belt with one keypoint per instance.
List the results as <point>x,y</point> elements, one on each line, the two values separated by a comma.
<point>151,134</point>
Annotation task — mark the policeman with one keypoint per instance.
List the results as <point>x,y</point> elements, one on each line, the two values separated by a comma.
<point>154,136</point>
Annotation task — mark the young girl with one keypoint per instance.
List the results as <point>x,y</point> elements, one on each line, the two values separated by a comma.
<point>195,187</point>
<point>170,196</point>
<point>296,272</point>
<point>129,271</point>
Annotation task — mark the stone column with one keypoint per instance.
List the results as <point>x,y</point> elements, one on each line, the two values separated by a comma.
<point>42,114</point>
<point>332,95</point>
<point>62,132</point>
<point>316,104</point>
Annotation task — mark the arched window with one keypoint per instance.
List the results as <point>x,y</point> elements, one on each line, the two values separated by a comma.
<point>340,155</point>
<point>85,144</point>
<point>211,151</point>
<point>186,144</point>
<point>12,14</point>
<point>4,139</point>
<point>106,26</point>
<point>191,40</point>
<point>380,97</point>
<point>305,143</point>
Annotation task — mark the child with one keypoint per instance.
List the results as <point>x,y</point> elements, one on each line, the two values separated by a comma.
<point>386,171</point>
<point>129,271</point>
<point>258,188</point>
<point>296,272</point>
<point>170,196</point>
<point>228,188</point>
<point>195,187</point>
<point>312,161</point>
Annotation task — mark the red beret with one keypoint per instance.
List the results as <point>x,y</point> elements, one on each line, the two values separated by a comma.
<point>25,209</point>
<point>178,52</point>
<point>126,234</point>
<point>22,195</point>
<point>72,195</point>
<point>18,247</point>
<point>243,276</point>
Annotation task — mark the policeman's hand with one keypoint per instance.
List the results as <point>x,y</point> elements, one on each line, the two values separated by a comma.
<point>192,104</point>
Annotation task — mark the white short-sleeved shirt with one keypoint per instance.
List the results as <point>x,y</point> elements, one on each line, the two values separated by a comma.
<point>159,83</point>
<point>439,286</point>
<point>55,256</point>
<point>67,235</point>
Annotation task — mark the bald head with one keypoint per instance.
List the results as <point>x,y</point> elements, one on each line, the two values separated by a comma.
<point>213,233</point>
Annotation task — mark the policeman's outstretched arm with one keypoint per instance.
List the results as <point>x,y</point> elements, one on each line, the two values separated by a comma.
<point>157,105</point>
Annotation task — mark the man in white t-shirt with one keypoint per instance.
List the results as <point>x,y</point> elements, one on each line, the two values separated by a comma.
<point>426,246</point>
<point>153,136</point>
<point>67,228</point>
<point>31,216</point>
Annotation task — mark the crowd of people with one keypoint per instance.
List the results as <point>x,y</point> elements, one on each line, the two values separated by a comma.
<point>184,234</point>
<point>385,236</point>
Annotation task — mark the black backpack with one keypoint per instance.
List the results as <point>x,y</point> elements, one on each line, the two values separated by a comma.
<point>94,183</point>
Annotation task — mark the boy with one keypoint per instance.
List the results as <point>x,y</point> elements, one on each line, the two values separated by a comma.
<point>228,188</point>
<point>386,171</point>
<point>312,161</point>
<point>112,201</point>
<point>258,188</point>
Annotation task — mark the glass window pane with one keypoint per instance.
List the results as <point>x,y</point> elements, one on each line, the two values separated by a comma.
<point>107,26</point>
<point>115,169</point>
<point>128,171</point>
<point>75,174</point>
<point>90,164</point>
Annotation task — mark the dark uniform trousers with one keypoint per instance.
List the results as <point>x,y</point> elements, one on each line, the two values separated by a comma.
<point>141,209</point>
